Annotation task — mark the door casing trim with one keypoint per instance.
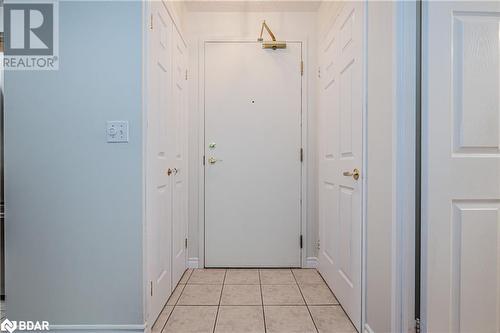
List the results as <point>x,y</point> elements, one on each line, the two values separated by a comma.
<point>401,313</point>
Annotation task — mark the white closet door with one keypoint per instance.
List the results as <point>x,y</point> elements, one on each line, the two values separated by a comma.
<point>341,150</point>
<point>159,183</point>
<point>252,149</point>
<point>179,158</point>
<point>461,176</point>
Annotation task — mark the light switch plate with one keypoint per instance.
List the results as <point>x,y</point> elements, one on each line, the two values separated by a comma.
<point>117,131</point>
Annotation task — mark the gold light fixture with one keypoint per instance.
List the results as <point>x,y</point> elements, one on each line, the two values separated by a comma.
<point>272,44</point>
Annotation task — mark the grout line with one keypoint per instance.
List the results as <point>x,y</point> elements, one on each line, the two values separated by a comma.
<point>250,305</point>
<point>326,284</point>
<point>338,302</point>
<point>183,286</point>
<point>182,291</point>
<point>175,305</point>
<point>190,274</point>
<point>307,305</point>
<point>220,299</point>
<point>206,284</point>
<point>262,301</point>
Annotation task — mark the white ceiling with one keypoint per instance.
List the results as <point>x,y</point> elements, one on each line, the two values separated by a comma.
<point>252,6</point>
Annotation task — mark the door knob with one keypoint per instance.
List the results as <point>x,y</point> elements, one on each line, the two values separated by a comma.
<point>169,172</point>
<point>212,160</point>
<point>176,171</point>
<point>354,174</point>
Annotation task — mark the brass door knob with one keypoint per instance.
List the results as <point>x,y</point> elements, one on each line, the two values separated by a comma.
<point>212,160</point>
<point>169,172</point>
<point>354,174</point>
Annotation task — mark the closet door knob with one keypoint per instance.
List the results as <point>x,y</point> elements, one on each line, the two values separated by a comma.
<point>354,174</point>
<point>169,172</point>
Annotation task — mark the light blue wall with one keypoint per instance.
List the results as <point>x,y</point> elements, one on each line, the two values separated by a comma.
<point>74,202</point>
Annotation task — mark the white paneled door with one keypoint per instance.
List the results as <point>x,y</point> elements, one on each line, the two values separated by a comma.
<point>341,150</point>
<point>461,167</point>
<point>252,151</point>
<point>179,151</point>
<point>159,184</point>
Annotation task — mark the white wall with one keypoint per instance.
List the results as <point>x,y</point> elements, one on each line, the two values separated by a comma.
<point>285,25</point>
<point>74,202</point>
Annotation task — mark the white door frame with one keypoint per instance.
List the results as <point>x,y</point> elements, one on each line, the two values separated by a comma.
<point>146,300</point>
<point>403,160</point>
<point>201,143</point>
<point>403,299</point>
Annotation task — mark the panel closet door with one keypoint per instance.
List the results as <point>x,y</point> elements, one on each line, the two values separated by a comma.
<point>461,166</point>
<point>341,158</point>
<point>159,178</point>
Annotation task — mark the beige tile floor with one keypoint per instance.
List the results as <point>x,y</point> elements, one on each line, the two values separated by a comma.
<point>252,301</point>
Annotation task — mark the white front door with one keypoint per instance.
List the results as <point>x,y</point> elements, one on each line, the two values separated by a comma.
<point>461,167</point>
<point>252,150</point>
<point>341,150</point>
<point>179,148</point>
<point>159,191</point>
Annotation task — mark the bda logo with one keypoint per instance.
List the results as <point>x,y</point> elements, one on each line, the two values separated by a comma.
<point>22,325</point>
<point>8,326</point>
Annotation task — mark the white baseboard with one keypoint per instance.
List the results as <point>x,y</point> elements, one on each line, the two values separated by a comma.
<point>98,328</point>
<point>193,263</point>
<point>311,262</point>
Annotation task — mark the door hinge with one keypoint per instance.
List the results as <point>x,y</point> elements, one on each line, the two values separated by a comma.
<point>203,160</point>
<point>300,241</point>
<point>151,288</point>
<point>301,67</point>
<point>186,243</point>
<point>302,154</point>
<point>319,72</point>
<point>151,22</point>
<point>186,77</point>
<point>417,325</point>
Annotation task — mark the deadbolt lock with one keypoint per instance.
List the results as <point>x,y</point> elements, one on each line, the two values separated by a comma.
<point>354,174</point>
<point>211,145</point>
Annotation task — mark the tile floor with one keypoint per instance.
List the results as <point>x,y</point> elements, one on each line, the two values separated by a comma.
<point>252,301</point>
